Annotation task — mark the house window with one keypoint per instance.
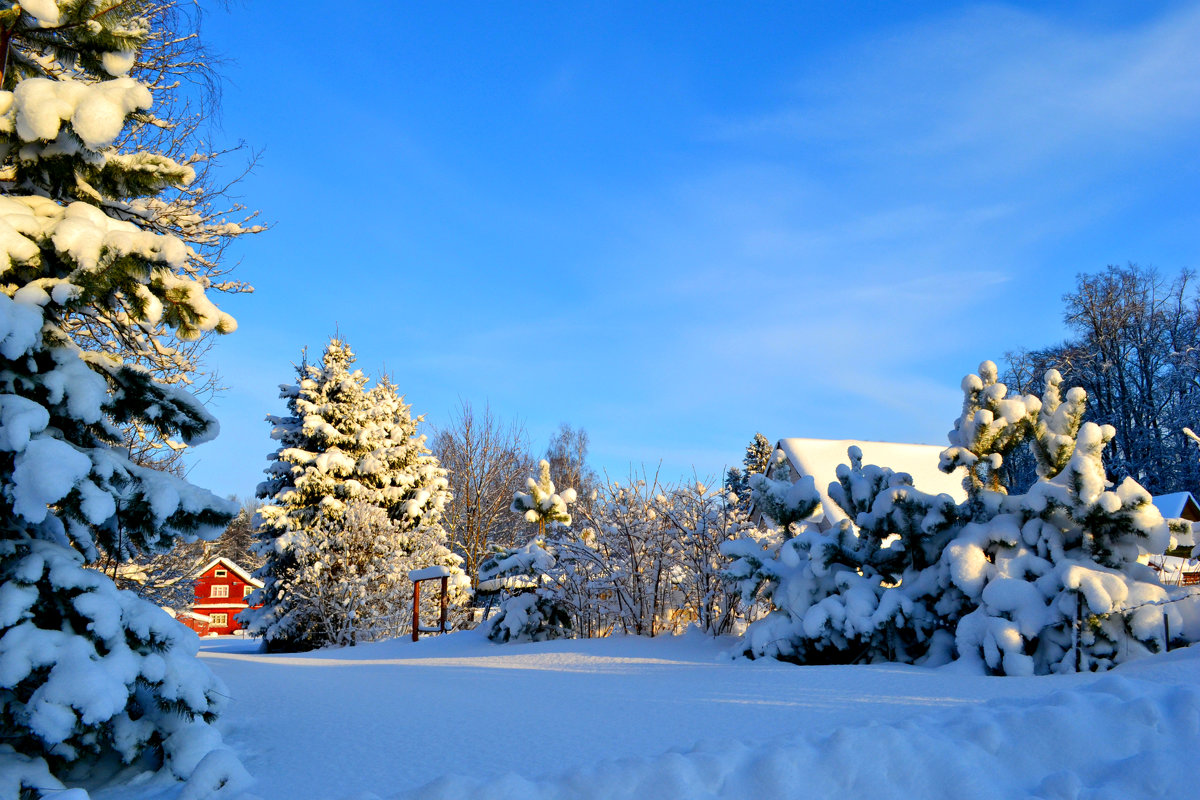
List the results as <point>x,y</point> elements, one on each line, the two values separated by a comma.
<point>220,591</point>
<point>218,620</point>
<point>221,573</point>
<point>246,590</point>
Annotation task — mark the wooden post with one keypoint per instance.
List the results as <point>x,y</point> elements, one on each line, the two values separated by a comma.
<point>1078,631</point>
<point>1167,631</point>
<point>416,610</point>
<point>442,618</point>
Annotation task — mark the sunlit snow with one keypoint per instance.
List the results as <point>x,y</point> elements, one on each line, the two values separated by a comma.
<point>458,717</point>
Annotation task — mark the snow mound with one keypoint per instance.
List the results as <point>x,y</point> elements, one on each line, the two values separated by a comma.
<point>1117,737</point>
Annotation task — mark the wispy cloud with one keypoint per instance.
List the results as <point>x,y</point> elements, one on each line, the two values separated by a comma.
<point>1013,88</point>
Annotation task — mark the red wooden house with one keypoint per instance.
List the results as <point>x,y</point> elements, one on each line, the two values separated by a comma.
<point>221,591</point>
<point>1177,567</point>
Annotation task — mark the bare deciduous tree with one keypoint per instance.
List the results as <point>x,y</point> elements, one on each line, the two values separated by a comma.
<point>1136,351</point>
<point>567,454</point>
<point>487,460</point>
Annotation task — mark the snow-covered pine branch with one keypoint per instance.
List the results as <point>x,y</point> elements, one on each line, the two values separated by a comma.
<point>94,676</point>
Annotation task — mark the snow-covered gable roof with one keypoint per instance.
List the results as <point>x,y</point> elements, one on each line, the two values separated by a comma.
<point>820,458</point>
<point>1177,506</point>
<point>232,567</point>
<point>188,614</point>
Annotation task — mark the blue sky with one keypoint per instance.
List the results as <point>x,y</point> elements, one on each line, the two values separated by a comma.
<point>676,224</point>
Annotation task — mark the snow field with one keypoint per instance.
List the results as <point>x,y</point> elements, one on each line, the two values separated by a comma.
<point>1105,741</point>
<point>457,717</point>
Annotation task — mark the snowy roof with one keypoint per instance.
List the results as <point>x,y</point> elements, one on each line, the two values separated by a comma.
<point>428,572</point>
<point>509,582</point>
<point>1175,505</point>
<point>821,457</point>
<point>241,573</point>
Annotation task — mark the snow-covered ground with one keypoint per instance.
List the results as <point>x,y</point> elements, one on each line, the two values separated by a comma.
<point>458,717</point>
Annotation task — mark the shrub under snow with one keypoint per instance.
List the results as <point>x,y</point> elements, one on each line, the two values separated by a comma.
<point>1045,581</point>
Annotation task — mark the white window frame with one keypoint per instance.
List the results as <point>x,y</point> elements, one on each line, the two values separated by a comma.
<point>246,590</point>
<point>220,590</point>
<point>218,620</point>
<point>221,573</point>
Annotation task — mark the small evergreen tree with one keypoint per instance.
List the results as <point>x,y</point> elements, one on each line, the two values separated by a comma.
<point>779,499</point>
<point>533,613</point>
<point>735,483</point>
<point>541,505</point>
<point>1051,577</point>
<point>341,444</point>
<point>758,457</point>
<point>829,588</point>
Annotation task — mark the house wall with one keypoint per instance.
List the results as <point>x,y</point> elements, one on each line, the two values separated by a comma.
<point>208,603</point>
<point>198,625</point>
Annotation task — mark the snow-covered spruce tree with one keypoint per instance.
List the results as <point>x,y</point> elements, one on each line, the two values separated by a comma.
<point>833,591</point>
<point>157,175</point>
<point>91,677</point>
<point>340,443</point>
<point>755,462</point>
<point>1053,574</point>
<point>534,612</point>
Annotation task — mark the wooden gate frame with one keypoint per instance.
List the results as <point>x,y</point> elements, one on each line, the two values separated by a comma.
<point>418,577</point>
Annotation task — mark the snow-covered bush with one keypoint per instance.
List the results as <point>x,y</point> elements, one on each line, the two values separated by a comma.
<point>703,521</point>
<point>1047,581</point>
<point>90,677</point>
<point>351,575</point>
<point>341,444</point>
<point>636,546</point>
<point>531,610</point>
<point>646,560</point>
